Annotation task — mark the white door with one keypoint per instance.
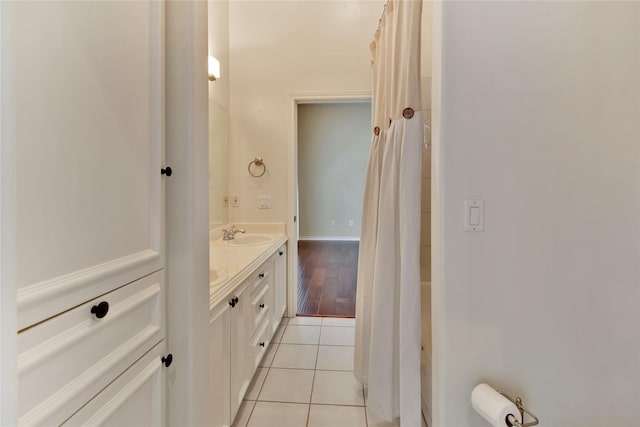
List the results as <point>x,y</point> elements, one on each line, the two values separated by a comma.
<point>88,98</point>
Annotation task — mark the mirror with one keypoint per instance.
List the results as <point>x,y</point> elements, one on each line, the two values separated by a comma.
<point>218,164</point>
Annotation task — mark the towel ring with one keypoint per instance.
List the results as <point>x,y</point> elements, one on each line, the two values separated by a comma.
<point>259,163</point>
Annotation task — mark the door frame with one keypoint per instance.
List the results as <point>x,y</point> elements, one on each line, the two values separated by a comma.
<point>8,310</point>
<point>292,181</point>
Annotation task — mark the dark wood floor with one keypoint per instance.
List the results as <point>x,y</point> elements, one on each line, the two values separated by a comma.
<point>327,273</point>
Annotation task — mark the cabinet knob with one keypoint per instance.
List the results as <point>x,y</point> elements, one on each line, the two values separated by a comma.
<point>261,305</point>
<point>261,344</point>
<point>166,171</point>
<point>261,275</point>
<point>233,301</point>
<point>100,310</point>
<point>280,253</point>
<point>166,361</point>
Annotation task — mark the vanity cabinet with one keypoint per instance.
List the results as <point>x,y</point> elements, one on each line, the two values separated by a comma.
<point>241,328</point>
<point>240,331</point>
<point>220,365</point>
<point>230,355</point>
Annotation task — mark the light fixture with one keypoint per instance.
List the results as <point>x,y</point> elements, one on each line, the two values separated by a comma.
<point>214,68</point>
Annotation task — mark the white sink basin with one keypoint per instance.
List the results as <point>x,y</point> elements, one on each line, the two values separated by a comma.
<point>246,240</point>
<point>217,275</point>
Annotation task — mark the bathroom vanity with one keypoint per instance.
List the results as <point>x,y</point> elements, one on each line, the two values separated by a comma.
<point>248,299</point>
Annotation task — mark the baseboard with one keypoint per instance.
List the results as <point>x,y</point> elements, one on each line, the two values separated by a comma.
<point>332,238</point>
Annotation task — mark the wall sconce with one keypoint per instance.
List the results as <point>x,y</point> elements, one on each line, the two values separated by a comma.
<point>214,69</point>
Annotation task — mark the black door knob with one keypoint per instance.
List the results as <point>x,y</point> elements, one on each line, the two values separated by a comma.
<point>261,275</point>
<point>261,344</point>
<point>100,310</point>
<point>261,305</point>
<point>166,171</point>
<point>280,253</point>
<point>166,361</point>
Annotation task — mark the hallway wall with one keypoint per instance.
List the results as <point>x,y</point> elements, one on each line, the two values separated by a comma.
<point>541,119</point>
<point>333,150</point>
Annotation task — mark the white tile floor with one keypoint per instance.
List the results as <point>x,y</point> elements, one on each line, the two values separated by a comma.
<point>306,378</point>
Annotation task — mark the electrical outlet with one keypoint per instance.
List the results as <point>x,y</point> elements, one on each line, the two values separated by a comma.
<point>350,223</point>
<point>235,201</point>
<point>225,202</point>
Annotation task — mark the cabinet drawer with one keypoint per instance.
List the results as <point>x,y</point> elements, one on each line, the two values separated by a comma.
<point>65,361</point>
<point>260,342</point>
<point>136,398</point>
<point>262,275</point>
<point>261,305</point>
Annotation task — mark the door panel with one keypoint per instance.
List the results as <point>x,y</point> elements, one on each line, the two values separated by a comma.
<point>136,398</point>
<point>89,121</point>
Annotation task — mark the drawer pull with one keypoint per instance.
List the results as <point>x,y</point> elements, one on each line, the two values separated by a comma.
<point>261,305</point>
<point>261,344</point>
<point>261,275</point>
<point>166,361</point>
<point>100,310</point>
<point>280,253</point>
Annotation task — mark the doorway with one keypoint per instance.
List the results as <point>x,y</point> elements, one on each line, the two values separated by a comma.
<point>332,143</point>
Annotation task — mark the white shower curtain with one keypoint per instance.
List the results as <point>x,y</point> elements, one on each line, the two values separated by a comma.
<point>387,346</point>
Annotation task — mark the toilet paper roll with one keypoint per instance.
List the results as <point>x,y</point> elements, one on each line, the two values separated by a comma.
<point>493,406</point>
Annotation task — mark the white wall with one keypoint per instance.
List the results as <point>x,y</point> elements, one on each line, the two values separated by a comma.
<point>541,119</point>
<point>280,49</point>
<point>333,151</point>
<point>218,35</point>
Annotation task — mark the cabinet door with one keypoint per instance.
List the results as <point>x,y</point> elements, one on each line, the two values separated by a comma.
<point>241,351</point>
<point>136,398</point>
<point>88,98</point>
<point>65,361</point>
<point>219,366</point>
<point>279,285</point>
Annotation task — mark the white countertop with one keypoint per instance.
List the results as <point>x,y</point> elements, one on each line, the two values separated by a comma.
<point>238,262</point>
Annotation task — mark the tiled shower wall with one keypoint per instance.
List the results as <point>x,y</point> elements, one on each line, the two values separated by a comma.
<point>425,223</point>
<point>425,255</point>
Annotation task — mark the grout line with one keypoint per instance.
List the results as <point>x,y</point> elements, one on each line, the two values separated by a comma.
<point>313,383</point>
<point>339,404</point>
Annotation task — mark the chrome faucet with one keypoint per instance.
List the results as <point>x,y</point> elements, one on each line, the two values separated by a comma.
<point>231,232</point>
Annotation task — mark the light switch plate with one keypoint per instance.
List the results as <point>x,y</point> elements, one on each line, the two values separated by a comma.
<point>264,202</point>
<point>474,215</point>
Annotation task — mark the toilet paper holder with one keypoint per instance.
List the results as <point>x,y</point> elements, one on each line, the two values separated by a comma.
<point>512,421</point>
